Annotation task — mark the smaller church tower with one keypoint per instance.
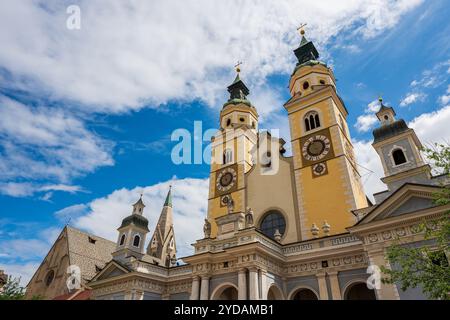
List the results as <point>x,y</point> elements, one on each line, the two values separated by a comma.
<point>399,150</point>
<point>162,248</point>
<point>132,234</point>
<point>231,156</point>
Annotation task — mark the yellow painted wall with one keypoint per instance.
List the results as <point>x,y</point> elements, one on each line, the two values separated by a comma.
<point>330,197</point>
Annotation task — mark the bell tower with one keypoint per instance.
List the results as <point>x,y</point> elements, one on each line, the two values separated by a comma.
<point>399,150</point>
<point>132,234</point>
<point>326,176</point>
<point>230,153</point>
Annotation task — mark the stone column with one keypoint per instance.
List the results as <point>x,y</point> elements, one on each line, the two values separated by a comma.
<point>195,290</point>
<point>264,289</point>
<point>323,291</point>
<point>204,292</point>
<point>254,288</point>
<point>165,296</point>
<point>334,284</point>
<point>242,284</point>
<point>128,295</point>
<point>139,295</point>
<point>386,291</point>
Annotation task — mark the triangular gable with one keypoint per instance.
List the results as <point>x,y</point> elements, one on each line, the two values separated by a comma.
<point>407,199</point>
<point>112,269</point>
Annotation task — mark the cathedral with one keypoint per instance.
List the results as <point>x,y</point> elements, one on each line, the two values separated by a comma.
<point>278,227</point>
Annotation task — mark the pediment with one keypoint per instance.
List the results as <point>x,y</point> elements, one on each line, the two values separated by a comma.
<point>408,199</point>
<point>412,204</point>
<point>112,269</point>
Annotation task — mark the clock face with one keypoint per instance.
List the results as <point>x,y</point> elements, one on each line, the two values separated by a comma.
<point>226,179</point>
<point>319,169</point>
<point>316,147</point>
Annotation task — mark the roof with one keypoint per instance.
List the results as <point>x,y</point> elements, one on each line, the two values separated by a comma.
<point>168,202</point>
<point>90,257</point>
<point>306,51</point>
<point>136,219</point>
<point>238,92</point>
<point>139,203</point>
<point>77,295</point>
<point>389,130</point>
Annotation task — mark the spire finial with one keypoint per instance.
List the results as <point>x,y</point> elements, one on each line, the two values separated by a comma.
<point>168,202</point>
<point>301,29</point>
<point>237,66</point>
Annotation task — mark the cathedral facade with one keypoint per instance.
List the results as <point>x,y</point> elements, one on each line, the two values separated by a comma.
<point>279,227</point>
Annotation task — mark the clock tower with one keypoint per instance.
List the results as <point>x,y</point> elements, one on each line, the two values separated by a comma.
<point>230,154</point>
<point>327,180</point>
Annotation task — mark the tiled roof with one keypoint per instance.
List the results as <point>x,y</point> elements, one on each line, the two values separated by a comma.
<point>88,251</point>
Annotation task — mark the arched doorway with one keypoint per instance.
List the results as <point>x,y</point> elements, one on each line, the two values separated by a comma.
<point>304,294</point>
<point>359,291</point>
<point>274,293</point>
<point>225,292</point>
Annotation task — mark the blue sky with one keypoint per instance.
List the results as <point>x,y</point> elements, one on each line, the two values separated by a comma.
<point>86,115</point>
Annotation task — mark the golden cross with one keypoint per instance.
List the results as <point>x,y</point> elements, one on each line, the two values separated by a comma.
<point>302,25</point>
<point>237,66</point>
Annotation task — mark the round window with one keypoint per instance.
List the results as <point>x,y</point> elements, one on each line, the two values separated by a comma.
<point>49,278</point>
<point>272,221</point>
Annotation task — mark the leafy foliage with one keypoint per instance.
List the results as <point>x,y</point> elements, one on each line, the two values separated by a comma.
<point>426,266</point>
<point>12,290</point>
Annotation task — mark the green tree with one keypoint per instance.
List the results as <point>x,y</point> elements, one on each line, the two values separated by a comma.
<point>426,266</point>
<point>12,290</point>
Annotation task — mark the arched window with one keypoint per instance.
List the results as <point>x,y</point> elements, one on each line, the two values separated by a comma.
<point>122,240</point>
<point>398,156</point>
<point>359,291</point>
<point>305,294</point>
<point>272,221</point>
<point>312,120</point>
<point>136,240</point>
<point>227,156</point>
<point>307,124</point>
<point>49,277</point>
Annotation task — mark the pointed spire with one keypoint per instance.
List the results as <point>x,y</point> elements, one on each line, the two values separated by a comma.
<point>238,90</point>
<point>162,246</point>
<point>168,202</point>
<point>139,206</point>
<point>306,51</point>
<point>385,114</point>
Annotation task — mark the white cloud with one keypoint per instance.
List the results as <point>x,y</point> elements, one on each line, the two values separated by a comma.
<point>166,51</point>
<point>365,122</point>
<point>23,271</point>
<point>433,77</point>
<point>72,212</point>
<point>412,98</point>
<point>370,167</point>
<point>24,189</point>
<point>20,255</point>
<point>24,248</point>
<point>445,98</point>
<point>429,127</point>
<point>190,199</point>
<point>43,143</point>
<point>374,106</point>
<point>433,127</point>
